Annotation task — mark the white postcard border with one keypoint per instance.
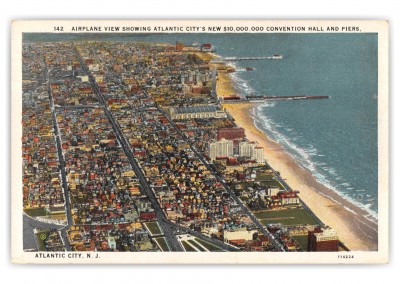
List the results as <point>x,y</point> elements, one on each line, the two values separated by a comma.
<point>47,26</point>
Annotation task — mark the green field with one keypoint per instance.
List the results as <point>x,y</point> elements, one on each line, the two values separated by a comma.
<point>294,216</point>
<point>187,246</point>
<point>153,228</point>
<point>302,241</point>
<point>272,183</point>
<point>196,245</point>
<point>35,212</point>
<point>265,177</point>
<point>209,246</point>
<point>40,238</point>
<point>162,243</point>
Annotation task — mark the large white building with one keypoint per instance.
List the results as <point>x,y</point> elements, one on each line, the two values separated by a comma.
<point>239,234</point>
<point>201,111</point>
<point>258,154</point>
<point>250,149</point>
<point>246,148</point>
<point>221,148</point>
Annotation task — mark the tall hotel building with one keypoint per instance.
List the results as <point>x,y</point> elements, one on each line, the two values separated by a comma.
<point>221,148</point>
<point>246,148</point>
<point>323,240</point>
<point>258,154</point>
<point>250,149</point>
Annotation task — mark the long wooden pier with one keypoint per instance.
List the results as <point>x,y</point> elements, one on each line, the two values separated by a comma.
<point>237,58</point>
<point>284,98</point>
<point>237,99</point>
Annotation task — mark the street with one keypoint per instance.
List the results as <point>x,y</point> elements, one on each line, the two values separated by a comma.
<point>260,226</point>
<point>169,234</point>
<point>70,220</point>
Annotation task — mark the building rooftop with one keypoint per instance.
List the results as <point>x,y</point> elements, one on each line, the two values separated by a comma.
<point>197,109</point>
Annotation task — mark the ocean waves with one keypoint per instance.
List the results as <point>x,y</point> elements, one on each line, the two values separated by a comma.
<point>242,86</point>
<point>332,138</point>
<point>309,157</point>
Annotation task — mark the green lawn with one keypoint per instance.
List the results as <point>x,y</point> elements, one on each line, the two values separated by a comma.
<point>34,212</point>
<point>162,243</point>
<point>272,183</point>
<point>196,245</point>
<point>153,228</point>
<point>40,238</point>
<point>302,241</point>
<point>294,216</point>
<point>265,177</point>
<point>209,246</point>
<point>187,246</point>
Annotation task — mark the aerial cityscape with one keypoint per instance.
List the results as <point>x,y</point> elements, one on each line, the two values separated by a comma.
<point>149,146</point>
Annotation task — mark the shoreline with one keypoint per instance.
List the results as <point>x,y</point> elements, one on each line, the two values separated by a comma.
<point>356,231</point>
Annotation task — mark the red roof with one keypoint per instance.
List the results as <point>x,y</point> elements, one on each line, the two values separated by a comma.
<point>289,194</point>
<point>238,242</point>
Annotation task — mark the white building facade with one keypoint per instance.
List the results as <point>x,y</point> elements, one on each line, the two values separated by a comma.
<point>250,149</point>
<point>221,148</point>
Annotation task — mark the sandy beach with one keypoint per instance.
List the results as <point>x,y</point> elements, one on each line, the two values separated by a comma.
<point>354,230</point>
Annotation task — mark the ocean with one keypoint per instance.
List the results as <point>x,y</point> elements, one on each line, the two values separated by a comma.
<point>336,139</point>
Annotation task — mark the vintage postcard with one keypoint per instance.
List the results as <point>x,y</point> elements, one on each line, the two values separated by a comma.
<point>214,142</point>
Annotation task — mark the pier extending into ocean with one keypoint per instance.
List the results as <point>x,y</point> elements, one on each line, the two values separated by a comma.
<point>238,99</point>
<point>236,58</point>
<point>284,98</point>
